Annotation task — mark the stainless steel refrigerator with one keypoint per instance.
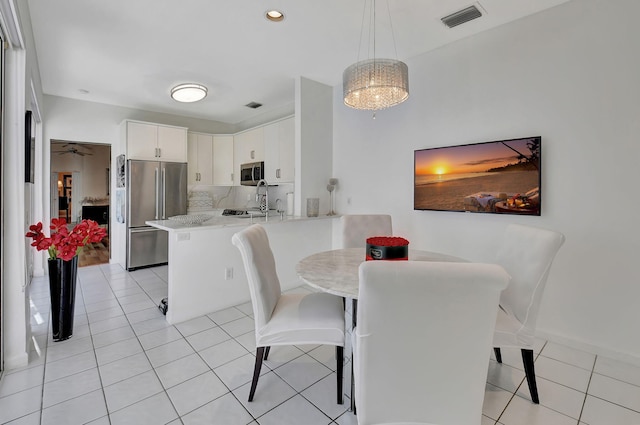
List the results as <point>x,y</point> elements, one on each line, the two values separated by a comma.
<point>155,191</point>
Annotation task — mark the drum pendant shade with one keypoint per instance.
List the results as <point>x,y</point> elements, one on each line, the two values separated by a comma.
<point>375,83</point>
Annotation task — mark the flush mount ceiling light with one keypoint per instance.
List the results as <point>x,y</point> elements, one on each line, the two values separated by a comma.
<point>189,92</point>
<point>274,15</point>
<point>374,83</point>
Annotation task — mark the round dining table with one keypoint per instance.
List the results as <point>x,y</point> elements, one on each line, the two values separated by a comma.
<point>336,271</point>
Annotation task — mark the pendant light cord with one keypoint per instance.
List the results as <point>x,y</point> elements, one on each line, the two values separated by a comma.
<point>373,15</point>
<point>372,31</point>
<point>393,37</point>
<point>364,9</point>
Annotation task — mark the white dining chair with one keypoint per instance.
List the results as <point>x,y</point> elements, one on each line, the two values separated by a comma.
<point>356,228</point>
<point>286,319</point>
<point>526,254</point>
<point>423,339</point>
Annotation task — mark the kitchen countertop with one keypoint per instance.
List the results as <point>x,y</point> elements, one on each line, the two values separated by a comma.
<point>218,221</point>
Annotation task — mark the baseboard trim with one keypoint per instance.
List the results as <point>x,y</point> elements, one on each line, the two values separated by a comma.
<point>590,348</point>
<point>16,362</point>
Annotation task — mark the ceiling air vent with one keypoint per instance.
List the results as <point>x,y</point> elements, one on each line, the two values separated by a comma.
<point>253,105</point>
<point>461,16</point>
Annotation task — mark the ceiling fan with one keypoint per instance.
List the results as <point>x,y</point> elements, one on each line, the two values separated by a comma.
<point>72,151</point>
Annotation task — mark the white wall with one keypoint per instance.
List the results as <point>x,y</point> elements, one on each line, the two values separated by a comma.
<point>568,74</point>
<point>313,144</point>
<point>94,175</point>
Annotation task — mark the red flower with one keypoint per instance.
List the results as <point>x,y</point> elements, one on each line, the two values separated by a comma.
<point>65,244</point>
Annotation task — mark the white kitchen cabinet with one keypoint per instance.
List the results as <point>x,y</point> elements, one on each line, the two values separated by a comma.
<point>200,158</point>
<point>172,143</point>
<point>223,160</point>
<point>247,147</point>
<point>155,142</point>
<point>279,146</point>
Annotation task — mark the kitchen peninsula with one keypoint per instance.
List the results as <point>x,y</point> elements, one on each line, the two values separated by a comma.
<point>206,273</point>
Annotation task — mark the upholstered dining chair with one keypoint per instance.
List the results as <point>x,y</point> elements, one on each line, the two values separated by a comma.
<point>423,339</point>
<point>286,319</point>
<point>526,254</point>
<point>356,228</point>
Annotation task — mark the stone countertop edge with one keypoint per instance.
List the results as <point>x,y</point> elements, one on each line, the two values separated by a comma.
<point>229,221</point>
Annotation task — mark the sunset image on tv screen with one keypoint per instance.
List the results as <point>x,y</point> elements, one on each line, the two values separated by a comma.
<point>494,177</point>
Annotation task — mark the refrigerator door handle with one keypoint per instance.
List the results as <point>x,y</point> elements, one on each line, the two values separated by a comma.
<point>157,191</point>
<point>153,229</point>
<point>164,194</point>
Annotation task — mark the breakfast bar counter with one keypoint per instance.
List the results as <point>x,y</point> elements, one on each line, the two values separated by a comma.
<point>217,221</point>
<point>205,271</point>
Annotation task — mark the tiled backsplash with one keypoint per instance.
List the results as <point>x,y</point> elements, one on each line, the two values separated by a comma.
<point>242,196</point>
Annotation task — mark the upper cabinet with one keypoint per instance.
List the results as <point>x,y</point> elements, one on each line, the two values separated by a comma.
<point>155,142</point>
<point>214,160</point>
<point>200,158</point>
<point>247,147</point>
<point>279,146</point>
<point>223,160</point>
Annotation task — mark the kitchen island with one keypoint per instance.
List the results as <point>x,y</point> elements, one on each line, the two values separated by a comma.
<point>206,273</point>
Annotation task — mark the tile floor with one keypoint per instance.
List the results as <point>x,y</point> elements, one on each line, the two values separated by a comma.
<point>126,365</point>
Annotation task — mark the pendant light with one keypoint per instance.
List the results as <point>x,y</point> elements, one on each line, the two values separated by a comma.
<point>375,83</point>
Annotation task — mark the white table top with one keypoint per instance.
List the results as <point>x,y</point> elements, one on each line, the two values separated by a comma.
<point>336,271</point>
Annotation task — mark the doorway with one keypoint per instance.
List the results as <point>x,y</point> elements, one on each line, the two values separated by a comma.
<point>79,190</point>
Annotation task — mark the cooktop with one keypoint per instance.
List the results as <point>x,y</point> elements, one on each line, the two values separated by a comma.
<point>241,213</point>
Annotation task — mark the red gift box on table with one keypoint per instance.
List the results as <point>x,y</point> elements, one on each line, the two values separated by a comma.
<point>387,248</point>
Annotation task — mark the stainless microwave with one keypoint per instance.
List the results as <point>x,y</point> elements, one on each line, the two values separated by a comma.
<point>251,173</point>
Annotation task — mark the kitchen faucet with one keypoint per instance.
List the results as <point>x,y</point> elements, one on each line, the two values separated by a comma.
<point>264,206</point>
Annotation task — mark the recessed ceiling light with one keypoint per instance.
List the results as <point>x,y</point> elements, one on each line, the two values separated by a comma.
<point>274,15</point>
<point>189,92</point>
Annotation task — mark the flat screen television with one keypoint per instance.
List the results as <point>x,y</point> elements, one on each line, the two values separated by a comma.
<point>500,177</point>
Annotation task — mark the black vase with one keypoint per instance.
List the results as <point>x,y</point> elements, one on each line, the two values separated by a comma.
<point>62,288</point>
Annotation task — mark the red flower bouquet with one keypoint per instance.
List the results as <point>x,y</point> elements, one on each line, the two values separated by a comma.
<point>63,243</point>
<point>387,248</point>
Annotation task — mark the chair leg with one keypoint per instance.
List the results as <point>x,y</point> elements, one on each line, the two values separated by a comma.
<point>266,352</point>
<point>354,320</point>
<point>353,390</point>
<point>256,371</point>
<point>339,367</point>
<point>498,354</point>
<point>527,359</point>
